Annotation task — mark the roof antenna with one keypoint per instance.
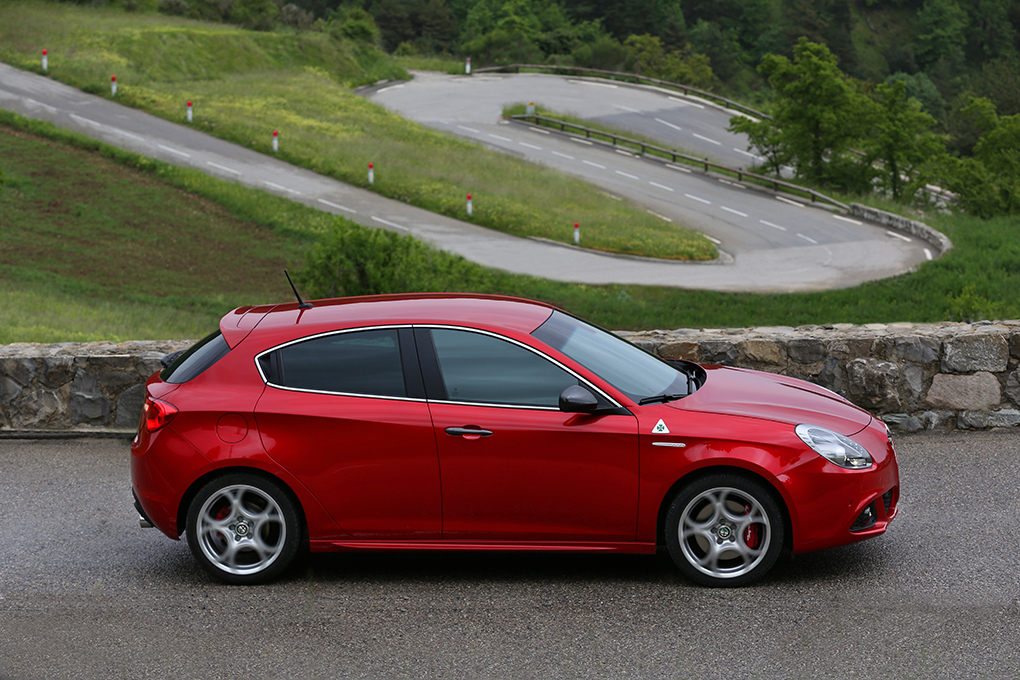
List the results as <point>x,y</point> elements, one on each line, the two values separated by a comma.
<point>301,303</point>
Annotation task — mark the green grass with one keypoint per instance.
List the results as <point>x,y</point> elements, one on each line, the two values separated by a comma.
<point>246,84</point>
<point>72,267</point>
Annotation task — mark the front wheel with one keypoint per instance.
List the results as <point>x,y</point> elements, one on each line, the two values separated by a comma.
<point>243,528</point>
<point>724,530</point>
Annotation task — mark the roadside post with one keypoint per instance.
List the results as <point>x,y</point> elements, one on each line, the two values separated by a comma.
<point>469,212</point>
<point>113,86</point>
<point>467,66</point>
<point>577,234</point>
<point>276,140</point>
<point>189,110</point>
<point>371,174</point>
<point>530,110</point>
<point>45,64</point>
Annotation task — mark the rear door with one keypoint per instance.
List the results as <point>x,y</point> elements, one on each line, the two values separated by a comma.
<point>345,413</point>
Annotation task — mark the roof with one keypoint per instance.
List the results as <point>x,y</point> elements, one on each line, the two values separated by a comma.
<point>482,311</point>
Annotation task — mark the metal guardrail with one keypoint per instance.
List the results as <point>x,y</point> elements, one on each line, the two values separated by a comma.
<point>635,77</point>
<point>674,155</point>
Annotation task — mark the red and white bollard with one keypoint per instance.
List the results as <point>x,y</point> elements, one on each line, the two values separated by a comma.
<point>467,66</point>
<point>371,174</point>
<point>189,111</point>
<point>469,211</point>
<point>45,63</point>
<point>577,234</point>
<point>113,86</point>
<point>276,140</point>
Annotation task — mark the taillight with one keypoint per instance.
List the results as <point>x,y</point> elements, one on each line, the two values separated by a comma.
<point>157,413</point>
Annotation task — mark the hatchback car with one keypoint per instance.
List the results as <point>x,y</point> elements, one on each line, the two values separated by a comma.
<point>463,422</point>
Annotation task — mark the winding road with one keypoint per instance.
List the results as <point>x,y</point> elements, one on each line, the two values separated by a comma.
<point>772,244</point>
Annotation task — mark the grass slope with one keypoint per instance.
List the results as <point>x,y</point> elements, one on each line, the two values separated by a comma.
<point>245,84</point>
<point>79,262</point>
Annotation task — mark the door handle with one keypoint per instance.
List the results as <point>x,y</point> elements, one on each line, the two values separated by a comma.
<point>467,432</point>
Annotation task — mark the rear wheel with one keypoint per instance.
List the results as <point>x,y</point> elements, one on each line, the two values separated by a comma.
<point>243,528</point>
<point>724,530</point>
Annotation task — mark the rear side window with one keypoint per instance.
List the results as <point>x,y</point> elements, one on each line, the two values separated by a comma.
<point>363,362</point>
<point>196,359</point>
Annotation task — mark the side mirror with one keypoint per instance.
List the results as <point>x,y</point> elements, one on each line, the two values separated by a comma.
<point>576,399</point>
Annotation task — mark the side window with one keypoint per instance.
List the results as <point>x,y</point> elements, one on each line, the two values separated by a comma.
<point>363,362</point>
<point>484,369</point>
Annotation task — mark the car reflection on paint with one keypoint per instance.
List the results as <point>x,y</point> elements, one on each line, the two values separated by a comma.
<point>452,422</point>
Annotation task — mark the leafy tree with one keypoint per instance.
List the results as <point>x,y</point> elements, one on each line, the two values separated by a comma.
<point>623,18</point>
<point>901,139</point>
<point>649,57</point>
<point>604,52</point>
<point>990,30</point>
<point>819,112</point>
<point>920,87</point>
<point>999,81</point>
<point>939,31</point>
<point>765,138</point>
<point>721,48</point>
<point>970,118</point>
<point>988,184</point>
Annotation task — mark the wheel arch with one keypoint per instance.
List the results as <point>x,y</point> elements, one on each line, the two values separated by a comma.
<point>700,473</point>
<point>189,495</point>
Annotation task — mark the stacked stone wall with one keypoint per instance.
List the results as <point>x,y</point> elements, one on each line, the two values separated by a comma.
<point>913,376</point>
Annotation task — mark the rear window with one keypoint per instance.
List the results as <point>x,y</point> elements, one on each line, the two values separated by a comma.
<point>196,359</point>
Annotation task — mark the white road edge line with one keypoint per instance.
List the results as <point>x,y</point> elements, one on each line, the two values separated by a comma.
<point>51,109</point>
<point>713,240</point>
<point>808,239</point>
<point>129,135</point>
<point>661,217</point>
<point>662,186</point>
<point>927,253</point>
<point>677,167</point>
<point>580,141</point>
<point>627,108</point>
<point>82,119</point>
<point>175,151</point>
<point>847,219</point>
<point>594,164</point>
<point>337,206</point>
<point>735,212</point>
<point>391,87</point>
<point>537,129</point>
<point>684,101</point>
<point>624,152</point>
<point>389,224</point>
<point>282,188</point>
<point>695,198</point>
<point>563,155</point>
<point>900,236</point>
<point>668,124</point>
<point>464,127</point>
<point>530,146</point>
<point>502,139</point>
<point>786,200</point>
<point>223,168</point>
<point>585,82</point>
<point>627,174</point>
<point>774,226</point>
<point>707,139</point>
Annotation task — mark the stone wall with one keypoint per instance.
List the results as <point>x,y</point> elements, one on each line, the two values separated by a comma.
<point>914,376</point>
<point>72,386</point>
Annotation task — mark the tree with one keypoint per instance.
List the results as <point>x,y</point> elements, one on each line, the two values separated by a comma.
<point>939,31</point>
<point>901,139</point>
<point>819,112</point>
<point>765,138</point>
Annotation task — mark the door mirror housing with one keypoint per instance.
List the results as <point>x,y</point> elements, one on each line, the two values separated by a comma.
<point>576,399</point>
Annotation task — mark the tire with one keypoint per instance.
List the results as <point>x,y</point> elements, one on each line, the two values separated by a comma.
<point>243,528</point>
<point>725,530</point>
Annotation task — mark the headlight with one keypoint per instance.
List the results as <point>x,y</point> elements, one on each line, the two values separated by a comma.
<point>834,447</point>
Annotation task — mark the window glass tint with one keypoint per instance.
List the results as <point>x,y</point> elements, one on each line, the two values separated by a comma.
<point>196,359</point>
<point>484,369</point>
<point>624,366</point>
<point>364,362</point>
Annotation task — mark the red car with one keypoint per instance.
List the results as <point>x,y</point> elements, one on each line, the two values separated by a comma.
<point>464,422</point>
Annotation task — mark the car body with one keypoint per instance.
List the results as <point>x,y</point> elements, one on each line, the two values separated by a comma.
<point>466,422</point>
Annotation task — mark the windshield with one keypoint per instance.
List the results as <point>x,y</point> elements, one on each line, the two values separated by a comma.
<point>626,367</point>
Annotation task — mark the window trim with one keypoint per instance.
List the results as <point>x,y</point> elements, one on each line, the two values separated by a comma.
<point>433,357</point>
<point>400,346</point>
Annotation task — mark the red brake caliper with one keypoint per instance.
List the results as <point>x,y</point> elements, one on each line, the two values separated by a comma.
<point>751,532</point>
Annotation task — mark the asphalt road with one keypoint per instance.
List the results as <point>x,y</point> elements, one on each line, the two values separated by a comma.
<point>85,593</point>
<point>793,254</point>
